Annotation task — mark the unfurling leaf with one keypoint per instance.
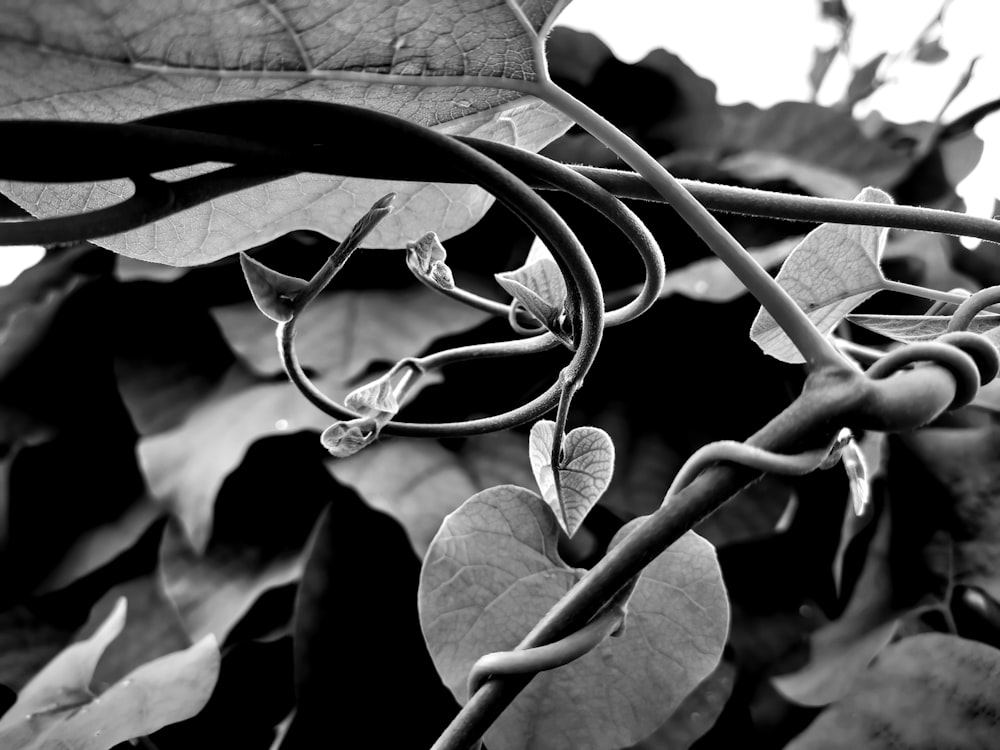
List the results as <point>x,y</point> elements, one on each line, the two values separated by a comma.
<point>376,403</point>
<point>857,477</point>
<point>426,259</point>
<point>833,270</point>
<point>926,691</point>
<point>584,472</point>
<point>540,287</point>
<point>493,571</point>
<point>272,292</point>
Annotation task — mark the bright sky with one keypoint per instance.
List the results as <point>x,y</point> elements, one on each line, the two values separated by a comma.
<point>762,52</point>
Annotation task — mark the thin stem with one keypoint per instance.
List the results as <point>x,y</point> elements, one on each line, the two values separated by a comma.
<point>813,345</point>
<point>933,294</point>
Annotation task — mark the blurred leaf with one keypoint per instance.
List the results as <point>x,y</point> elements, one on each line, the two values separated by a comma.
<point>695,715</point>
<point>931,51</point>
<point>29,304</point>
<point>864,82</point>
<point>967,464</point>
<point>823,57</point>
<point>575,55</point>
<point>811,134</point>
<point>27,642</point>
<point>61,687</point>
<point>844,648</point>
<point>926,691</point>
<point>373,611</point>
<point>835,10</point>
<point>419,482</point>
<point>588,458</point>
<point>262,522</point>
<point>73,63</point>
<point>96,547</point>
<point>151,630</point>
<point>341,333</point>
<point>833,270</point>
<point>757,167</point>
<point>492,572</point>
<point>710,279</point>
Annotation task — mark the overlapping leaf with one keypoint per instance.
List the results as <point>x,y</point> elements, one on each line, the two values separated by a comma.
<point>927,691</point>
<point>57,708</point>
<point>419,482</point>
<point>67,61</point>
<point>833,270</point>
<point>493,571</point>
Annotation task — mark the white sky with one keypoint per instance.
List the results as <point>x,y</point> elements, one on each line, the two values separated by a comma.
<point>761,52</point>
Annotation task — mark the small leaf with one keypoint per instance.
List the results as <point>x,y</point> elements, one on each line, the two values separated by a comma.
<point>376,403</point>
<point>833,270</point>
<point>926,691</point>
<point>931,51</point>
<point>426,259</point>
<point>272,292</point>
<point>865,81</point>
<point>910,328</point>
<point>584,474</point>
<point>857,477</point>
<point>540,287</point>
<point>493,571</point>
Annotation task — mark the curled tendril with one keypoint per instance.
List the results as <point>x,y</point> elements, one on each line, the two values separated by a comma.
<point>752,457</point>
<point>971,359</point>
<point>541,219</point>
<point>530,661</point>
<point>514,309</point>
<point>972,306</point>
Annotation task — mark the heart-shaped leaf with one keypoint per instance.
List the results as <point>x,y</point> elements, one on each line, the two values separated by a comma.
<point>68,61</point>
<point>540,287</point>
<point>584,473</point>
<point>493,571</point>
<point>910,328</point>
<point>833,270</point>
<point>927,691</point>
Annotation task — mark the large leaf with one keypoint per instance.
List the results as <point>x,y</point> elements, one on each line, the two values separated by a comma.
<point>419,482</point>
<point>493,571</point>
<point>925,692</point>
<point>132,60</point>
<point>833,270</point>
